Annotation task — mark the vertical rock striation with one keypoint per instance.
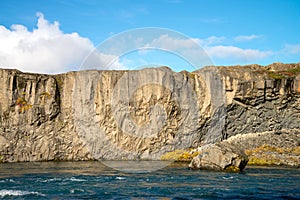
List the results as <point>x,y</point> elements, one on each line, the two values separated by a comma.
<point>140,114</point>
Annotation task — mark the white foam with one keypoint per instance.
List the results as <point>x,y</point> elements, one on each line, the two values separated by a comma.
<point>4,193</point>
<point>61,179</point>
<point>50,180</point>
<point>73,191</point>
<point>7,180</point>
<point>76,179</point>
<point>120,178</point>
<point>226,178</point>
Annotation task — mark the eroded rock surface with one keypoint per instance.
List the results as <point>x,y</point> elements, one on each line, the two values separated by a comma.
<point>141,114</point>
<point>221,156</point>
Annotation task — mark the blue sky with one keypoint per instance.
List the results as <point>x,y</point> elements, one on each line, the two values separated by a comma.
<point>59,34</point>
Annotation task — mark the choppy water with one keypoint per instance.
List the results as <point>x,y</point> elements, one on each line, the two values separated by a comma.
<point>93,180</point>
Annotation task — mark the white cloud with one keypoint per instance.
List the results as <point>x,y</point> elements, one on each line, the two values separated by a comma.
<point>187,48</point>
<point>222,53</point>
<point>46,49</point>
<point>236,53</point>
<point>292,49</point>
<point>244,38</point>
<point>167,42</point>
<point>170,43</point>
<point>211,40</point>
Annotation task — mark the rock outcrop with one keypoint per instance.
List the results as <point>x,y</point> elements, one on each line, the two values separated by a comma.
<point>221,156</point>
<point>281,147</point>
<point>142,114</point>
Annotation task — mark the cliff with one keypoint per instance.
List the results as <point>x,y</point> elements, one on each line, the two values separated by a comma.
<point>141,114</point>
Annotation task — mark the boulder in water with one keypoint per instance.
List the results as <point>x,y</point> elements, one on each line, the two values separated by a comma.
<point>221,156</point>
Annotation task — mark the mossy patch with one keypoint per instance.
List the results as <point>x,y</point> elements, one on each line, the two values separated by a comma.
<point>268,148</point>
<point>270,155</point>
<point>233,169</point>
<point>263,161</point>
<point>179,155</point>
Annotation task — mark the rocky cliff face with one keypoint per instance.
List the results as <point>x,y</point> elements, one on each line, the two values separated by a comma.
<point>140,114</point>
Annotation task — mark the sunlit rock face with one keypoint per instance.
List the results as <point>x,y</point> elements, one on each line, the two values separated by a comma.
<point>221,156</point>
<point>140,114</point>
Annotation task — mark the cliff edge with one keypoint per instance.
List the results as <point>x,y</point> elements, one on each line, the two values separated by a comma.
<point>143,114</point>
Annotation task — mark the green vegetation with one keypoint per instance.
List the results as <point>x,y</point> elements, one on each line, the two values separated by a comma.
<point>278,75</point>
<point>179,155</point>
<point>270,155</point>
<point>232,169</point>
<point>294,71</point>
<point>268,148</point>
<point>263,161</point>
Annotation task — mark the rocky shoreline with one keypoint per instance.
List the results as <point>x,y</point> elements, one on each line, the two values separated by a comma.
<point>271,147</point>
<point>159,115</point>
<point>280,148</point>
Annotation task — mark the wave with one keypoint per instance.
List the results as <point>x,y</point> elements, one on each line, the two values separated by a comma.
<point>76,179</point>
<point>7,180</point>
<point>4,193</point>
<point>61,180</point>
<point>120,178</point>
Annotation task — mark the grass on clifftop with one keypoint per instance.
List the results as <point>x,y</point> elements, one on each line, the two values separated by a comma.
<point>278,75</point>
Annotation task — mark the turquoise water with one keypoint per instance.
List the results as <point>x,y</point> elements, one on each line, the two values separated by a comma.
<point>93,180</point>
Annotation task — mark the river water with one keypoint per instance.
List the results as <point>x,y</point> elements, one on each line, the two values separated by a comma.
<point>93,180</point>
